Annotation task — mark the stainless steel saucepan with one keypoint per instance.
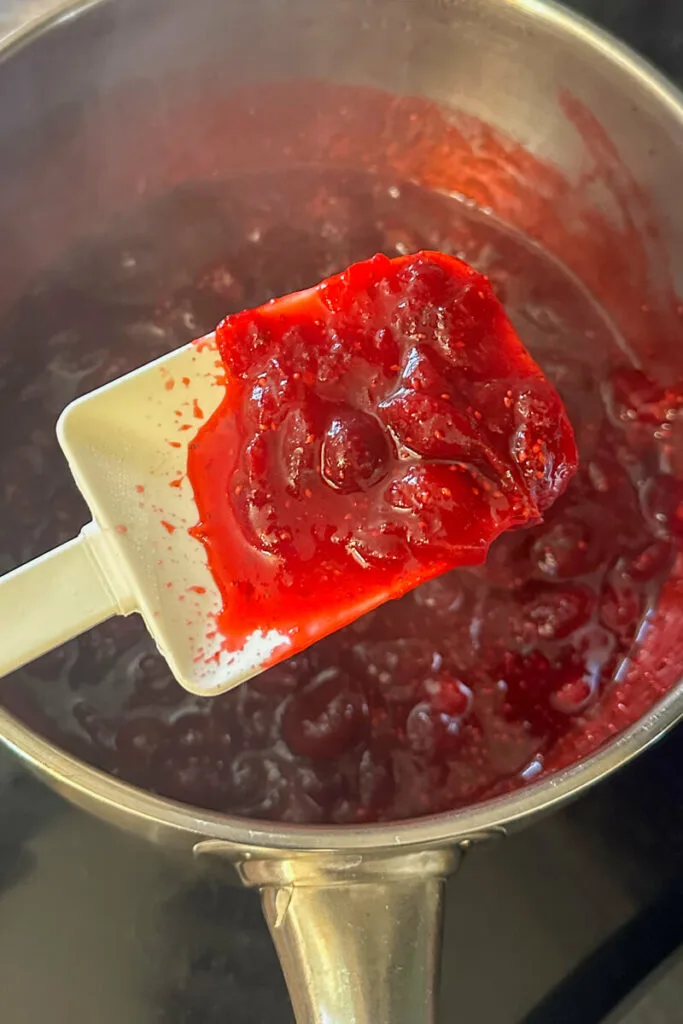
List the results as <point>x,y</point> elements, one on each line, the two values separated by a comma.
<point>354,912</point>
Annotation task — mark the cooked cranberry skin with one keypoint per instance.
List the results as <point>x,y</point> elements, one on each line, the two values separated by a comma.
<point>432,733</point>
<point>552,613</point>
<point>140,741</point>
<point>662,502</point>
<point>325,718</point>
<point>355,452</point>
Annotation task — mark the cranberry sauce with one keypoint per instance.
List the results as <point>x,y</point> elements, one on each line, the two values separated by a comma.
<point>376,430</point>
<point>465,686</point>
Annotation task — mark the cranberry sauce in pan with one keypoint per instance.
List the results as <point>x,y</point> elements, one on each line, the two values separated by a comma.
<point>465,687</point>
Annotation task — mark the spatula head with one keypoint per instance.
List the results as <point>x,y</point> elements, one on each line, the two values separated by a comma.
<point>343,445</point>
<point>127,446</point>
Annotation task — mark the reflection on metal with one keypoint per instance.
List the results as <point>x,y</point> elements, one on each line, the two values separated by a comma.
<point>359,945</point>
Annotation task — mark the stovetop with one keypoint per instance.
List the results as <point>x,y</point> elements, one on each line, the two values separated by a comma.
<point>578,920</point>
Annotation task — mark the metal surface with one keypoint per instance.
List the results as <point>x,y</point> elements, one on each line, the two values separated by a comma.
<point>343,956</point>
<point>59,64</point>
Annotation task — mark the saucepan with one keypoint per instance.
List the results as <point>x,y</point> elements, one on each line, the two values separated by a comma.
<point>106,101</point>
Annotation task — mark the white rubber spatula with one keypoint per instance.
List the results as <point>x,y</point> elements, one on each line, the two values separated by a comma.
<point>335,517</point>
<point>126,445</point>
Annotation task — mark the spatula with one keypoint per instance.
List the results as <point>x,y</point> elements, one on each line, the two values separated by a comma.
<point>127,445</point>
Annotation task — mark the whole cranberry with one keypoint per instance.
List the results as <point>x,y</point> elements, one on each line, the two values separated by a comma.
<point>355,451</point>
<point>260,783</point>
<point>396,668</point>
<point>647,563</point>
<point>190,732</point>
<point>249,777</point>
<point>440,598</point>
<point>140,740</point>
<point>631,396</point>
<point>566,548</point>
<point>326,718</point>
<point>431,732</point>
<point>196,779</point>
<point>553,612</point>
<point>621,608</point>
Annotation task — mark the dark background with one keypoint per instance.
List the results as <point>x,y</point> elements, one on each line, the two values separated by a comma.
<point>559,924</point>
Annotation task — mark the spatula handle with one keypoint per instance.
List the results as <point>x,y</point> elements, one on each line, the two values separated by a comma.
<point>56,597</point>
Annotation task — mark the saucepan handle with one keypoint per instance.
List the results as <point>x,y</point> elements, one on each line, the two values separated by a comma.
<point>56,597</point>
<point>359,942</point>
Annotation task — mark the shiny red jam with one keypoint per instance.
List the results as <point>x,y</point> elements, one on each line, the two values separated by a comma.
<point>477,680</point>
<point>377,430</point>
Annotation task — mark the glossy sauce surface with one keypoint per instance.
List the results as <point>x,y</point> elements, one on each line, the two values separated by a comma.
<point>476,681</point>
<point>376,430</point>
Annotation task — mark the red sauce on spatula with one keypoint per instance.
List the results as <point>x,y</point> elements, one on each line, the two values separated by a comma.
<point>376,431</point>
